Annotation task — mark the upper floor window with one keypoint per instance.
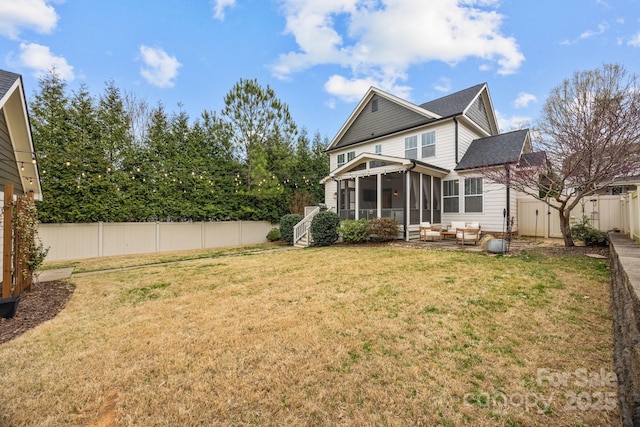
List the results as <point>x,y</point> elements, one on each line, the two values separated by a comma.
<point>411,147</point>
<point>374,105</point>
<point>473,195</point>
<point>351,155</point>
<point>428,144</point>
<point>450,196</point>
<point>340,159</point>
<point>378,148</point>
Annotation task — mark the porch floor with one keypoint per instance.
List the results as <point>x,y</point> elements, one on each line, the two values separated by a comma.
<point>516,245</point>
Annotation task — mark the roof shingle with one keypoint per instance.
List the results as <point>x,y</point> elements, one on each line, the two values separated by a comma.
<point>453,104</point>
<point>494,150</point>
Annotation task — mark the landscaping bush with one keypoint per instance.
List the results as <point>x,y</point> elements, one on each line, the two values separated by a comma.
<point>589,235</point>
<point>383,229</point>
<point>287,223</point>
<point>353,231</point>
<point>324,228</point>
<point>274,234</point>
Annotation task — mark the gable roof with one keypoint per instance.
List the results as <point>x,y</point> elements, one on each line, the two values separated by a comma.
<point>455,103</point>
<point>398,115</point>
<point>494,150</point>
<point>17,155</point>
<point>358,129</point>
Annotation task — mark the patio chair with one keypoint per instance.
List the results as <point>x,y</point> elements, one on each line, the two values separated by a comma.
<point>468,233</point>
<point>427,230</point>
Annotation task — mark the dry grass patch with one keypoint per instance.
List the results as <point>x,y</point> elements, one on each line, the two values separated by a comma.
<point>339,335</point>
<point>136,260</point>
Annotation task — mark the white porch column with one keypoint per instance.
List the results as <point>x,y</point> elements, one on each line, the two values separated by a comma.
<point>357,204</point>
<point>379,196</point>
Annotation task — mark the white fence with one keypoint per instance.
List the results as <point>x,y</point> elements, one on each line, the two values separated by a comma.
<point>631,215</point>
<point>604,212</point>
<point>77,241</point>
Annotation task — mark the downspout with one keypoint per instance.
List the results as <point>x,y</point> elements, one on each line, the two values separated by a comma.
<point>407,212</point>
<point>456,138</point>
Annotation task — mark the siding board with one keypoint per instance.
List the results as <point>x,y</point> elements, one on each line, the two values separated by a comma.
<point>390,117</point>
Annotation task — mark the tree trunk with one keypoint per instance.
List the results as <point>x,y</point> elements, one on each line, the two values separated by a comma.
<point>565,227</point>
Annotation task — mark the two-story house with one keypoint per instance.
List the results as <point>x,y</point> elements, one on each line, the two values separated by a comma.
<point>423,163</point>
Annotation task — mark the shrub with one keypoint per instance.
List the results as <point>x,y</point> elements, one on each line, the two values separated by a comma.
<point>324,228</point>
<point>383,229</point>
<point>287,223</point>
<point>353,231</point>
<point>589,235</point>
<point>274,234</point>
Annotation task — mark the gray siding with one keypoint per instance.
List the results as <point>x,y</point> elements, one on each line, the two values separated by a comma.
<point>478,113</point>
<point>389,118</point>
<point>7,158</point>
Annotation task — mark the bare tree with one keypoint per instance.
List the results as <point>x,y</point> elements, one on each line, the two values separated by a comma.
<point>588,136</point>
<point>139,114</point>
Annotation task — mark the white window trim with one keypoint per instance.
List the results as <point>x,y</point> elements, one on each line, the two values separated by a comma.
<point>414,146</point>
<point>455,196</point>
<point>423,145</point>
<point>481,194</point>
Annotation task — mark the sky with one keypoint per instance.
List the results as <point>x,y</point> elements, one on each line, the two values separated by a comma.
<point>320,56</point>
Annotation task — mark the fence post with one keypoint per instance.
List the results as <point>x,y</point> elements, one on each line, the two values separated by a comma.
<point>100,239</point>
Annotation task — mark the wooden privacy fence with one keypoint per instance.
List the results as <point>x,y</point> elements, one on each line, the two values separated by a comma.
<point>77,241</point>
<point>604,212</point>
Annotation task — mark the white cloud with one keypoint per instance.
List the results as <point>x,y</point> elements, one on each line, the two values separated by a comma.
<point>35,15</point>
<point>524,99</point>
<point>352,90</point>
<point>159,69</point>
<point>219,7</point>
<point>443,85</point>
<point>591,33</point>
<point>40,59</point>
<point>378,40</point>
<point>512,123</point>
<point>634,41</point>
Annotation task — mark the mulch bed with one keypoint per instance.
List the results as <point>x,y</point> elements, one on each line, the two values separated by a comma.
<point>43,303</point>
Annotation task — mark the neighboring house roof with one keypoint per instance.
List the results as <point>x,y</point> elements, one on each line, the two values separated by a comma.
<point>17,154</point>
<point>398,115</point>
<point>494,150</point>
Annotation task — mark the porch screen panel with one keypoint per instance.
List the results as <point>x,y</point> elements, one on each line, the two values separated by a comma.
<point>393,196</point>
<point>368,197</point>
<point>437,195</point>
<point>426,198</point>
<point>414,198</point>
<point>347,199</point>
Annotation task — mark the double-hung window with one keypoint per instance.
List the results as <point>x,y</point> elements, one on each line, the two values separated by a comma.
<point>450,196</point>
<point>473,195</point>
<point>351,155</point>
<point>411,147</point>
<point>340,159</point>
<point>428,144</point>
<point>378,148</point>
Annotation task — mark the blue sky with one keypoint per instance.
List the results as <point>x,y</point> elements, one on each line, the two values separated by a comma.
<point>320,56</point>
